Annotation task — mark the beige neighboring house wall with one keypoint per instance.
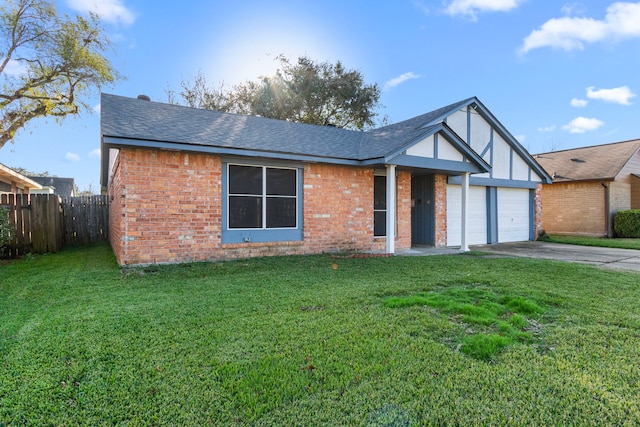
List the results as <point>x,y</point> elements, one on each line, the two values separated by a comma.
<point>574,208</point>
<point>635,192</point>
<point>590,185</point>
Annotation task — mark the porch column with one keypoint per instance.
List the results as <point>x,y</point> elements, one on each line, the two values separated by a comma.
<point>464,246</point>
<point>391,209</point>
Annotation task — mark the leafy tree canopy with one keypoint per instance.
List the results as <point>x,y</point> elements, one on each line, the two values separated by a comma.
<point>27,172</point>
<point>303,91</point>
<point>47,63</point>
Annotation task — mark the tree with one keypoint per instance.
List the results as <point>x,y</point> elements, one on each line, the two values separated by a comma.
<point>88,191</point>
<point>304,91</point>
<point>47,63</point>
<point>26,172</point>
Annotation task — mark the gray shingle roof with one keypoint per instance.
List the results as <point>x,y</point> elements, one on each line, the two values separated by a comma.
<point>61,186</point>
<point>135,122</point>
<point>136,119</point>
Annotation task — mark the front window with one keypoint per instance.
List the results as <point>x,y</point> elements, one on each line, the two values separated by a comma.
<point>261,197</point>
<point>379,206</point>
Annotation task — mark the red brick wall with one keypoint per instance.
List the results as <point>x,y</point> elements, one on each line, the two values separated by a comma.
<point>170,207</point>
<point>116,212</point>
<point>537,213</point>
<point>166,207</point>
<point>403,213</point>
<point>440,190</point>
<point>338,209</point>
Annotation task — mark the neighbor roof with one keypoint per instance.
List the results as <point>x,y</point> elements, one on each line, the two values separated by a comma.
<point>61,186</point>
<point>588,163</point>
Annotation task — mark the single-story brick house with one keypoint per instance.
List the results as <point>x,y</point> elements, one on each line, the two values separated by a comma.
<point>590,185</point>
<point>13,182</point>
<point>189,185</point>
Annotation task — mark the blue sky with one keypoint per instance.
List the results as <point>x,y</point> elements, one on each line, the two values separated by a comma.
<point>557,75</point>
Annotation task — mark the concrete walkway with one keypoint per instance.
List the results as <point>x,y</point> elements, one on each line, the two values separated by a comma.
<point>618,259</point>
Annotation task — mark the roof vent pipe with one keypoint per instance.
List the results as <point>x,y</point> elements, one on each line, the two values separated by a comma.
<point>144,98</point>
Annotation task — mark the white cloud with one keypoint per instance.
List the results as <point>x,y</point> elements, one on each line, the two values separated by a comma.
<point>547,129</point>
<point>72,157</point>
<point>582,125</point>
<point>521,138</point>
<point>15,68</point>
<point>622,21</point>
<point>95,154</point>
<point>112,11</point>
<point>399,80</point>
<point>420,5</point>
<point>97,108</point>
<point>572,9</point>
<point>471,8</point>
<point>619,95</point>
<point>575,102</point>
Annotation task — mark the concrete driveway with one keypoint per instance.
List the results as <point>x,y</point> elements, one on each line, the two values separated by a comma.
<point>617,259</point>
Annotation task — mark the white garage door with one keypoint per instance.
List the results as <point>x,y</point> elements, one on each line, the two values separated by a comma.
<point>513,215</point>
<point>477,224</point>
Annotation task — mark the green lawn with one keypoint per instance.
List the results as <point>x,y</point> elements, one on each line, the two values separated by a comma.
<point>595,241</point>
<point>401,341</point>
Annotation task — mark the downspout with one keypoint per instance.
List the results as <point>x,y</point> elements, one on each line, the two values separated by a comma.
<point>607,207</point>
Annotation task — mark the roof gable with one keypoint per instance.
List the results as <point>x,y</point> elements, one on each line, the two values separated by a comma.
<point>463,159</point>
<point>599,162</point>
<point>474,104</point>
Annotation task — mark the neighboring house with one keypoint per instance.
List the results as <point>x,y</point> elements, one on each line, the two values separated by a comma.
<point>590,184</point>
<point>189,185</point>
<point>13,182</point>
<point>54,185</point>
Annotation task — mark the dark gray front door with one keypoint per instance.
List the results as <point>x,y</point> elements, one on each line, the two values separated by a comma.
<point>422,221</point>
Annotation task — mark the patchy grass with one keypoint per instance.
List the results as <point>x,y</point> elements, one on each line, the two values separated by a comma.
<point>311,341</point>
<point>594,241</point>
<point>487,323</point>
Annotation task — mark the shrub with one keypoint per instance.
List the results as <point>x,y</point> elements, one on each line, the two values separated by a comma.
<point>6,227</point>
<point>627,223</point>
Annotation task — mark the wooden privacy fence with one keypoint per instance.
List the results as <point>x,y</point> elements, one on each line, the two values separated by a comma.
<point>46,222</point>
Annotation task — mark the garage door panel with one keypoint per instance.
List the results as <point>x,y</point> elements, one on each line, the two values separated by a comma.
<point>513,215</point>
<point>477,215</point>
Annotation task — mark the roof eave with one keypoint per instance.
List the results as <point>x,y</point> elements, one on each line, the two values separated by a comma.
<point>109,142</point>
<point>18,178</point>
<point>590,179</point>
